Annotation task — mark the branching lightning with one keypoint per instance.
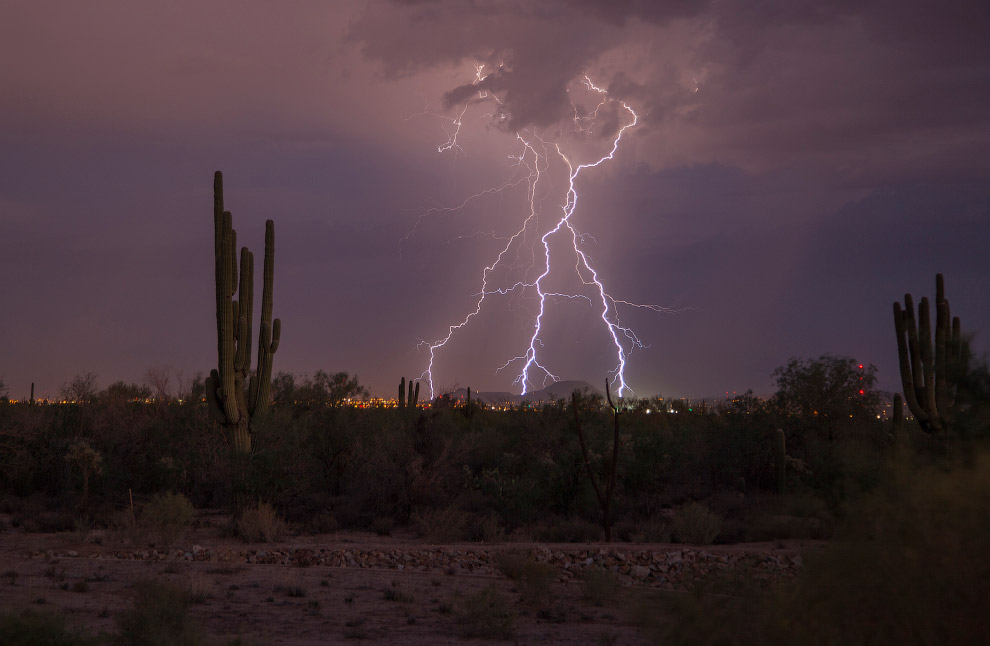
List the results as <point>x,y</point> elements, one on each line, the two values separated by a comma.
<point>521,249</point>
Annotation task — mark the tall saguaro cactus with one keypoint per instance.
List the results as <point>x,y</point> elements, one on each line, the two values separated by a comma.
<point>235,395</point>
<point>927,371</point>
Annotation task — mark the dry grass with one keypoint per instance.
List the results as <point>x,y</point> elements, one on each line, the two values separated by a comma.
<point>261,525</point>
<point>487,613</point>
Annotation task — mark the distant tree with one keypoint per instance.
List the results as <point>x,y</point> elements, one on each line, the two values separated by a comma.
<point>159,380</point>
<point>830,387</point>
<point>329,389</point>
<point>4,391</point>
<point>82,388</point>
<point>120,392</point>
<point>196,389</point>
<point>339,387</point>
<point>283,388</point>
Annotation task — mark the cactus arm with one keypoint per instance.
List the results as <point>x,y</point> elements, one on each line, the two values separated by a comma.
<point>267,282</point>
<point>927,360</point>
<point>226,273</point>
<point>402,393</point>
<point>261,388</point>
<point>242,360</point>
<point>415,399</point>
<point>955,359</point>
<point>942,334</point>
<point>913,347</point>
<point>902,320</point>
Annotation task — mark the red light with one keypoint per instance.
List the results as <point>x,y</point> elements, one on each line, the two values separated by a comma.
<point>861,392</point>
<point>860,366</point>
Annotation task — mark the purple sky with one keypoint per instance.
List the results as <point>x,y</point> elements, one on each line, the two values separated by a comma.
<point>795,169</point>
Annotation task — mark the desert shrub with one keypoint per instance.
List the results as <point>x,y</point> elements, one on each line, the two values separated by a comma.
<point>159,617</point>
<point>533,579</point>
<point>487,529</point>
<point>382,525</point>
<point>487,613</point>
<point>442,525</point>
<point>873,583</point>
<point>599,585</point>
<point>261,524</point>
<point>652,530</point>
<point>51,522</point>
<point>167,516</point>
<point>696,524</point>
<point>38,629</point>
<point>536,583</point>
<point>571,530</point>
<point>510,563</point>
<point>394,593</point>
<point>290,590</point>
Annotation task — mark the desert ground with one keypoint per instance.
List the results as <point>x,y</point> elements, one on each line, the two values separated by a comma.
<point>351,587</point>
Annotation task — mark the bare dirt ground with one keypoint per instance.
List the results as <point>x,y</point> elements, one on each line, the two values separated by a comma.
<point>72,574</point>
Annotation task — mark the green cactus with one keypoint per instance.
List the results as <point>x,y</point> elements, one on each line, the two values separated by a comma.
<point>927,373</point>
<point>236,396</point>
<point>780,460</point>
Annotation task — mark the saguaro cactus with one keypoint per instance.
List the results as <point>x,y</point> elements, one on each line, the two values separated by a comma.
<point>412,400</point>
<point>236,397</point>
<point>927,371</point>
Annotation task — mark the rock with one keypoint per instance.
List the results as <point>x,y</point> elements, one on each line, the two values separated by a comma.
<point>639,571</point>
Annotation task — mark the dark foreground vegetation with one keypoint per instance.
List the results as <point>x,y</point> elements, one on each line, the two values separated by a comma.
<point>752,471</point>
<point>905,511</point>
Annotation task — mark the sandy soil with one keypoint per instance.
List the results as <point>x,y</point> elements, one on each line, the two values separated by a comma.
<point>72,575</point>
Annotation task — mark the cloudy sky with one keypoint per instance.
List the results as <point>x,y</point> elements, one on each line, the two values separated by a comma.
<point>794,168</point>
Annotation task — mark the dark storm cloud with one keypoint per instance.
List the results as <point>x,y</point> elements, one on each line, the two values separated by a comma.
<point>532,50</point>
<point>859,85</point>
<point>873,91</point>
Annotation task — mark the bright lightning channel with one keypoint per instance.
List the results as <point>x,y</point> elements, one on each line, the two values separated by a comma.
<point>529,166</point>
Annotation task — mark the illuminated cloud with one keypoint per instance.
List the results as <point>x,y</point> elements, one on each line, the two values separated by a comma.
<point>866,91</point>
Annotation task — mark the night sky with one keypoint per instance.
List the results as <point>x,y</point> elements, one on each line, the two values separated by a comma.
<point>796,167</point>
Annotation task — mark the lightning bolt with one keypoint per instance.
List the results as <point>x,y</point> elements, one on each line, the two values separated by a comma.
<point>521,249</point>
